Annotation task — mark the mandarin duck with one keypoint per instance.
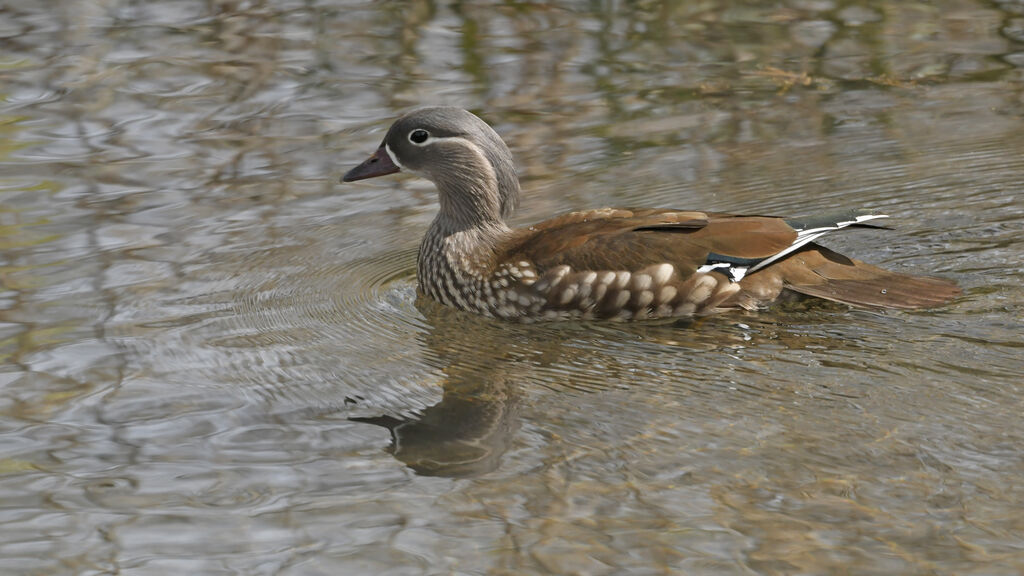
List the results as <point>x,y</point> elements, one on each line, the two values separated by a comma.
<point>611,263</point>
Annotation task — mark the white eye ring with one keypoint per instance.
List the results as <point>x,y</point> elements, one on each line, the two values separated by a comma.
<point>419,137</point>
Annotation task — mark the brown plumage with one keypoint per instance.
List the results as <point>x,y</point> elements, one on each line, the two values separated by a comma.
<point>611,263</point>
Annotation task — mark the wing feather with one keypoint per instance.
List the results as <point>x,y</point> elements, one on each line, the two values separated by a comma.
<point>614,239</point>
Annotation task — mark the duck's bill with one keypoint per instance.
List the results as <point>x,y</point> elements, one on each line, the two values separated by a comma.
<point>379,164</point>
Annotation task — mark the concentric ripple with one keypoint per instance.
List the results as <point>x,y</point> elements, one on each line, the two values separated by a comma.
<point>307,320</point>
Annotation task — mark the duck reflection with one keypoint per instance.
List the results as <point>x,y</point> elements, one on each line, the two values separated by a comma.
<point>487,364</point>
<point>469,430</point>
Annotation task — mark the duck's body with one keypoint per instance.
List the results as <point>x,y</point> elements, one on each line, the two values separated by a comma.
<point>610,263</point>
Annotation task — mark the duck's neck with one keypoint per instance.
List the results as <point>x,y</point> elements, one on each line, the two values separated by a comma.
<point>473,190</point>
<point>458,252</point>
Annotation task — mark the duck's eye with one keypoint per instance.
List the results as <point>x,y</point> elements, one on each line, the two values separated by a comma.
<point>418,136</point>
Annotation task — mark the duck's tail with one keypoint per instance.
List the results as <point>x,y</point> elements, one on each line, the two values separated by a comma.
<point>820,272</point>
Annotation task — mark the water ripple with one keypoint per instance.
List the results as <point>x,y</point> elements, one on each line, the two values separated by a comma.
<point>293,323</point>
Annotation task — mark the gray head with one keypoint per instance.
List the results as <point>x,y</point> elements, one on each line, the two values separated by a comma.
<point>466,159</point>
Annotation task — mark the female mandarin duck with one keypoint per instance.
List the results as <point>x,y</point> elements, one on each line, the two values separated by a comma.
<point>610,263</point>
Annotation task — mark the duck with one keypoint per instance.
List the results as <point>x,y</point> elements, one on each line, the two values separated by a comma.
<point>613,263</point>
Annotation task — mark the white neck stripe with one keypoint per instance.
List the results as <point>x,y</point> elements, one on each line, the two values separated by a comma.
<point>394,159</point>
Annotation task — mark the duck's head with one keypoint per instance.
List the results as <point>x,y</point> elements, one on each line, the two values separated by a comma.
<point>466,159</point>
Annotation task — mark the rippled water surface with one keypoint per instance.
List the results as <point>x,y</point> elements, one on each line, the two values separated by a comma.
<point>215,361</point>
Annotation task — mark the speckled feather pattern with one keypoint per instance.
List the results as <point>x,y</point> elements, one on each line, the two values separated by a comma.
<point>459,270</point>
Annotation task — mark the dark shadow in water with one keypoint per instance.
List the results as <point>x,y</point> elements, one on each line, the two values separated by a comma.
<point>463,435</point>
<point>466,433</point>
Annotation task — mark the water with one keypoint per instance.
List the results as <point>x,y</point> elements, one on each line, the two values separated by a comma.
<point>215,360</point>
